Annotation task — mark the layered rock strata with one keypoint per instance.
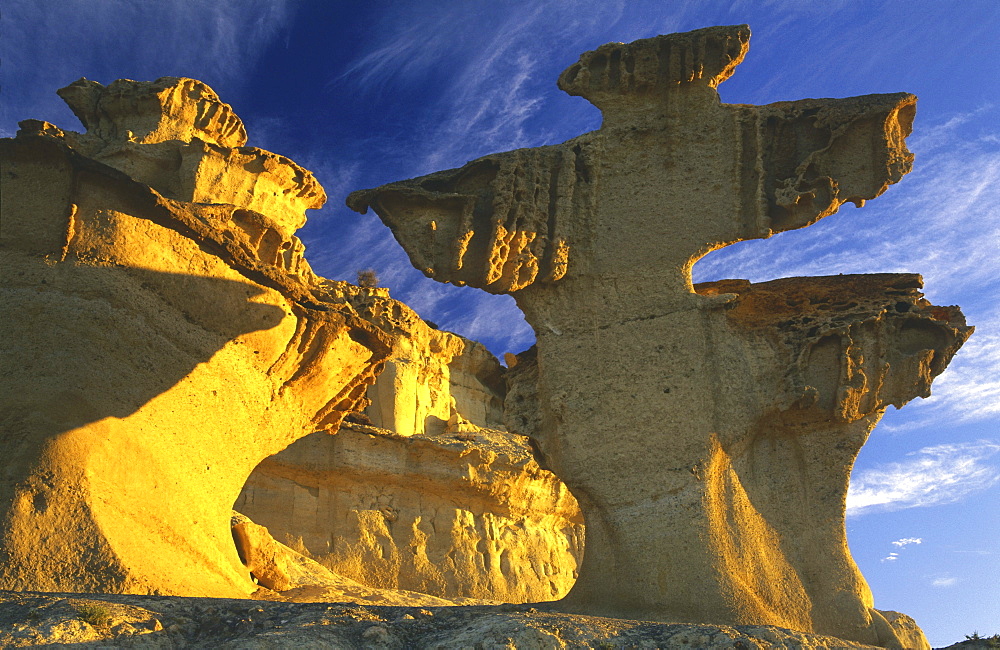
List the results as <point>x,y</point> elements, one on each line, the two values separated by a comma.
<point>434,499</point>
<point>451,515</point>
<point>708,436</point>
<point>301,579</point>
<point>162,335</point>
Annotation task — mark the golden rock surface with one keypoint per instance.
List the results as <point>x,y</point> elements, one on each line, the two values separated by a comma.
<point>162,335</point>
<point>433,498</point>
<point>708,436</point>
<point>453,515</point>
<point>433,380</point>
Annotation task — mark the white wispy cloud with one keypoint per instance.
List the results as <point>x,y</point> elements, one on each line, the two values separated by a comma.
<point>404,50</point>
<point>900,544</point>
<point>970,389</point>
<point>486,75</point>
<point>944,581</point>
<point>495,321</point>
<point>906,541</point>
<point>494,71</point>
<point>942,136</point>
<point>930,476</point>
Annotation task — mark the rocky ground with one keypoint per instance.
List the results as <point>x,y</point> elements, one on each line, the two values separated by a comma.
<point>92,620</point>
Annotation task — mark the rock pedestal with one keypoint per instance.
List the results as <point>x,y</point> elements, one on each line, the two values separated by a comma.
<point>708,435</point>
<point>162,334</point>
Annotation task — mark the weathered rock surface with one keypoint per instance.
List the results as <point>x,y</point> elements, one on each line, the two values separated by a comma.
<point>433,380</point>
<point>162,335</point>
<point>808,367</point>
<point>453,515</point>
<point>29,619</point>
<point>260,553</point>
<point>708,438</point>
<point>430,500</point>
<point>283,574</point>
<point>602,204</point>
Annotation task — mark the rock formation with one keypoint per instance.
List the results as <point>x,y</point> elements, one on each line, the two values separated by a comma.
<point>301,579</point>
<point>451,515</point>
<point>433,499</point>
<point>162,335</point>
<point>707,435</point>
<point>433,380</point>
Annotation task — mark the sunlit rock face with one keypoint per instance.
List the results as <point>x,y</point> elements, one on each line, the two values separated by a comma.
<point>433,498</point>
<point>162,335</point>
<point>467,514</point>
<point>433,379</point>
<point>707,435</point>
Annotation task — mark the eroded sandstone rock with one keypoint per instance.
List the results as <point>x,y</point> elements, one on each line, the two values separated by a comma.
<point>433,379</point>
<point>433,499</point>
<point>260,553</point>
<point>453,515</point>
<point>708,436</point>
<point>162,335</point>
<point>278,568</point>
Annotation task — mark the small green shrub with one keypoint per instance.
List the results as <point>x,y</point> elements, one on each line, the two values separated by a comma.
<point>96,614</point>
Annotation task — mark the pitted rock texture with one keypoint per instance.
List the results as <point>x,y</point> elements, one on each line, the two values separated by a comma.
<point>802,370</point>
<point>161,337</point>
<point>456,514</point>
<point>601,204</point>
<point>176,136</point>
<point>148,112</point>
<point>700,437</point>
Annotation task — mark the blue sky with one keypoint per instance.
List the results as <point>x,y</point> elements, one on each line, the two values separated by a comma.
<point>365,93</point>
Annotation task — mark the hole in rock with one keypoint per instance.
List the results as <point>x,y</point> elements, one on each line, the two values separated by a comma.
<point>846,242</point>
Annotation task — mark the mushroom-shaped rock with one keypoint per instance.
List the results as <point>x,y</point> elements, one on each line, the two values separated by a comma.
<point>704,433</point>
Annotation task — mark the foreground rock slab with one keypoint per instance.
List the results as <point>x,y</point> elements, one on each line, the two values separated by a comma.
<point>708,436</point>
<point>128,621</point>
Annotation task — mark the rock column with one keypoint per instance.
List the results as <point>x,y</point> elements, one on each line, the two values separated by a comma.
<point>708,440</point>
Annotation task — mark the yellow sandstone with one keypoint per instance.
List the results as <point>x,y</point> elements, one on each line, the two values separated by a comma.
<point>162,335</point>
<point>433,499</point>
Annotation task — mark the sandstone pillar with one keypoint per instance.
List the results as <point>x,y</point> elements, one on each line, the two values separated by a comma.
<point>708,435</point>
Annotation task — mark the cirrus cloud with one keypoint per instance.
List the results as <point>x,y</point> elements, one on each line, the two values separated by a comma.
<point>930,476</point>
